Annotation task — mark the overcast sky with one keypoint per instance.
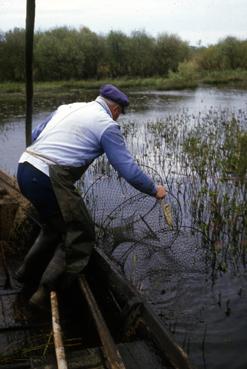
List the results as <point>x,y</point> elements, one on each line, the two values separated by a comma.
<point>192,20</point>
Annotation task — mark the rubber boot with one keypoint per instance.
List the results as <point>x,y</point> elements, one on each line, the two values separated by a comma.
<point>39,255</point>
<point>55,269</point>
<point>40,300</point>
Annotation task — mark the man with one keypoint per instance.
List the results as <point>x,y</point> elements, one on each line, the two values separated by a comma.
<point>63,147</point>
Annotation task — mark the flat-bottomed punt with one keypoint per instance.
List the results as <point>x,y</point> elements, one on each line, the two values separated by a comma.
<point>101,315</point>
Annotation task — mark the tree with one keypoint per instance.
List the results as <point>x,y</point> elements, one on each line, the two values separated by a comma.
<point>230,53</point>
<point>116,53</point>
<point>93,51</point>
<point>230,50</point>
<point>209,59</point>
<point>12,55</point>
<point>141,54</point>
<point>170,50</point>
<point>58,55</point>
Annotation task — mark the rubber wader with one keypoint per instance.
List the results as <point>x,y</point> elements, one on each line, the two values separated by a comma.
<point>39,255</point>
<point>73,239</point>
<point>72,255</point>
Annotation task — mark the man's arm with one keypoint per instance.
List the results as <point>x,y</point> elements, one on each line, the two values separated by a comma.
<point>37,130</point>
<point>122,161</point>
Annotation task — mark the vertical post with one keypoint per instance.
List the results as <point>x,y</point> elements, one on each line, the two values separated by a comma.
<point>30,16</point>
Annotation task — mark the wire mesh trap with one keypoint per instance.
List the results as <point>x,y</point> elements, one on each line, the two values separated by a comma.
<point>123,214</point>
<point>152,268</point>
<point>146,238</point>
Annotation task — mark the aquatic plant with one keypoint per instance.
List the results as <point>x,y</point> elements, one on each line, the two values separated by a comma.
<point>202,161</point>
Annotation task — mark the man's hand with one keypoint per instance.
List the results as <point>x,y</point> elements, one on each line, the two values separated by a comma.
<point>160,193</point>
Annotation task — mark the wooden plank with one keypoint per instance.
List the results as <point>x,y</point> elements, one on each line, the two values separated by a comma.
<point>140,355</point>
<point>8,208</point>
<point>3,277</point>
<point>113,356</point>
<point>7,311</point>
<point>5,272</point>
<point>137,355</point>
<point>81,359</point>
<point>149,322</point>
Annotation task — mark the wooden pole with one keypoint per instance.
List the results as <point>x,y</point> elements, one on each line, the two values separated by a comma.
<point>57,333</point>
<point>112,353</point>
<point>30,17</point>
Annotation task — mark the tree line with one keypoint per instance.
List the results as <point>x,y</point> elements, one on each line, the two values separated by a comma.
<point>64,53</point>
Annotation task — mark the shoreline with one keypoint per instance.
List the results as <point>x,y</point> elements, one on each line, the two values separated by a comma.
<point>234,79</point>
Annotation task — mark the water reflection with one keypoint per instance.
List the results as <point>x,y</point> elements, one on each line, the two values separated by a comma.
<point>200,100</point>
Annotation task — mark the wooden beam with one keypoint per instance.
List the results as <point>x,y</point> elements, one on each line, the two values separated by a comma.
<point>112,353</point>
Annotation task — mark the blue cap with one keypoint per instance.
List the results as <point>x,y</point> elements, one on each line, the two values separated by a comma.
<point>113,93</point>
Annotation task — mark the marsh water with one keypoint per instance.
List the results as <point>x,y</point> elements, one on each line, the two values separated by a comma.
<point>195,140</point>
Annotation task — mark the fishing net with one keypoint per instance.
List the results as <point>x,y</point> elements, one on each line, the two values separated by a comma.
<point>146,238</point>
<point>148,264</point>
<point>124,215</point>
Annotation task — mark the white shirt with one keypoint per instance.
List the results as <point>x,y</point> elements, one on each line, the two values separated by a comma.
<point>72,136</point>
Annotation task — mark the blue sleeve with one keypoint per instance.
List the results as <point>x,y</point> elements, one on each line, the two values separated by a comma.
<point>37,130</point>
<point>122,161</point>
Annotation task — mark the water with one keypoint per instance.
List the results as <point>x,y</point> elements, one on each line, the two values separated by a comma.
<point>145,106</point>
<point>200,291</point>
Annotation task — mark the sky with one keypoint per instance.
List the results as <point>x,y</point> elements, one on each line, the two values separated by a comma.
<point>196,21</point>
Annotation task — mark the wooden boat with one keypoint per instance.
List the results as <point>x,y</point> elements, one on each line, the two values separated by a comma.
<point>25,336</point>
